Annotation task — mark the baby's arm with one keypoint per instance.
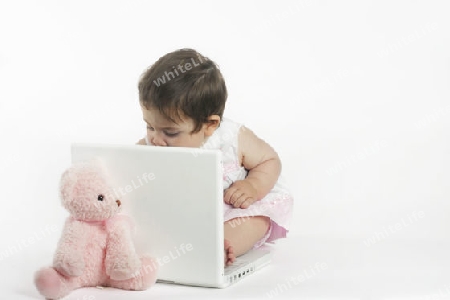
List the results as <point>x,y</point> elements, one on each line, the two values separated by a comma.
<point>264,167</point>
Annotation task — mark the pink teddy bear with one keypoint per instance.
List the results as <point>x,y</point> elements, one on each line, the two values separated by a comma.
<point>96,247</point>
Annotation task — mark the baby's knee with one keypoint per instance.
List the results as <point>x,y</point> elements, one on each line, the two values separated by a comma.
<point>263,221</point>
<point>265,231</point>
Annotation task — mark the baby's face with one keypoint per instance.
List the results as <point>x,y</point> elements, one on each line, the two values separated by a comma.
<point>163,132</point>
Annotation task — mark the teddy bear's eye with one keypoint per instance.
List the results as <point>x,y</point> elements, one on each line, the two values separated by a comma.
<point>100,197</point>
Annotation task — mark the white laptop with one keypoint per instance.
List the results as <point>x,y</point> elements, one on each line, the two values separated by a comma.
<point>175,195</point>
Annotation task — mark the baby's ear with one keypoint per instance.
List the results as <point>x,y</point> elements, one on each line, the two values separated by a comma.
<point>212,124</point>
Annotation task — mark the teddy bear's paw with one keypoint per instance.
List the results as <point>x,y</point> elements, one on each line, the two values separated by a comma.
<point>125,269</point>
<point>149,271</point>
<point>144,278</point>
<point>70,267</point>
<point>51,284</point>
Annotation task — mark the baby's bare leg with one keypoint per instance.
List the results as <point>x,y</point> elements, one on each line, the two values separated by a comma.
<point>243,233</point>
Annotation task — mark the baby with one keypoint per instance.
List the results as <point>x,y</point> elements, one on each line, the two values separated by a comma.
<point>182,97</point>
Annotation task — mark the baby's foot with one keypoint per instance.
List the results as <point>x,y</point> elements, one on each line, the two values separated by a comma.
<point>229,253</point>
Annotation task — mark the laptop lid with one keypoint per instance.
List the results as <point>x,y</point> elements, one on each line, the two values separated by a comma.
<point>175,196</point>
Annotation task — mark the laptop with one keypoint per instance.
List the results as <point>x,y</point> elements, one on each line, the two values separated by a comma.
<point>175,196</point>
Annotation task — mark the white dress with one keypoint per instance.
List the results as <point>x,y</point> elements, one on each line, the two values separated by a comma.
<point>277,204</point>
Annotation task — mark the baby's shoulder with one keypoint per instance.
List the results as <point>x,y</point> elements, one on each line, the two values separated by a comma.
<point>230,127</point>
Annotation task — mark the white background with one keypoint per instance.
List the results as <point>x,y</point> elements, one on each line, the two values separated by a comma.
<point>322,81</point>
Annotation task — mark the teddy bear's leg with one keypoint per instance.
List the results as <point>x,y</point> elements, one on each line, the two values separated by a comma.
<point>53,285</point>
<point>142,280</point>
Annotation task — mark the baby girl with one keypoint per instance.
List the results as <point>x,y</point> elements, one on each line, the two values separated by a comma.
<point>182,97</point>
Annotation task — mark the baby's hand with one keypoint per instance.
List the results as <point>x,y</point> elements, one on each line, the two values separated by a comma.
<point>240,194</point>
<point>141,142</point>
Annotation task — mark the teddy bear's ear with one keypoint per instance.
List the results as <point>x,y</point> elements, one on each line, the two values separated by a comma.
<point>70,175</point>
<point>67,183</point>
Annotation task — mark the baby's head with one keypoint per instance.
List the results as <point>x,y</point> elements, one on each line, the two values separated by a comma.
<point>182,97</point>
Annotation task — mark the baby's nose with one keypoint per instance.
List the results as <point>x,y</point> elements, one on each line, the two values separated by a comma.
<point>157,141</point>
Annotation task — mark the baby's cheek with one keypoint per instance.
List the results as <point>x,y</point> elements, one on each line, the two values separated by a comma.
<point>181,142</point>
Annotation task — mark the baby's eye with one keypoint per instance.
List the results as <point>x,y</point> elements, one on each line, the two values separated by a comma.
<point>150,128</point>
<point>100,197</point>
<point>171,134</point>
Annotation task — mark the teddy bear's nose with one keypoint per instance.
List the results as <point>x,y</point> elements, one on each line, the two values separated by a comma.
<point>118,202</point>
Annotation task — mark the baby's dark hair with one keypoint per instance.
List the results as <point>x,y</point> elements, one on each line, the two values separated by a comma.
<point>184,83</point>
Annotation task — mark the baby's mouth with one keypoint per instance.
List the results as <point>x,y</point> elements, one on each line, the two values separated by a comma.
<point>118,202</point>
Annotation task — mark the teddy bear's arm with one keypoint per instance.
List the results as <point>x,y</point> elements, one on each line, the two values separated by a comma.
<point>121,261</point>
<point>68,258</point>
